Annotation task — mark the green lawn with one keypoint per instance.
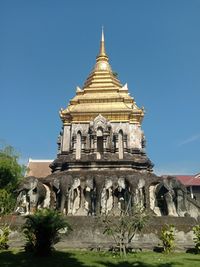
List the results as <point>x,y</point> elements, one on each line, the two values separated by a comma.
<point>19,258</point>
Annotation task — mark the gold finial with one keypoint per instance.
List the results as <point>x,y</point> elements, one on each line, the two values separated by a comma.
<point>102,35</point>
<point>102,52</point>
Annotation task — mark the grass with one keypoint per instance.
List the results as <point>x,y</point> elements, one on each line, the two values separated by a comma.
<point>17,258</point>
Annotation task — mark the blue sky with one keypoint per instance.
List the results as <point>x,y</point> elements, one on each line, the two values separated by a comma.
<point>49,47</point>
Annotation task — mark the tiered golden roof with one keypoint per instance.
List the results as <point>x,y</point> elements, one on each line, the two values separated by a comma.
<point>102,94</point>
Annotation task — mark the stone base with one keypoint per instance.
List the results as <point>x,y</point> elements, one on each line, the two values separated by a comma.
<point>88,233</point>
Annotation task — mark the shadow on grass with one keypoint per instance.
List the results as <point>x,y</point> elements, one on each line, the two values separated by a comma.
<point>22,259</point>
<point>194,260</point>
<point>135,264</point>
<point>76,259</point>
<point>192,251</point>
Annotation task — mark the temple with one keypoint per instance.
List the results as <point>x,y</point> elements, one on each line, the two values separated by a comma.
<point>102,125</point>
<point>101,166</point>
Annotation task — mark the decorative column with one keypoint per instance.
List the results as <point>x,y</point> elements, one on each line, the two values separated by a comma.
<point>104,143</point>
<point>74,144</point>
<point>120,145</point>
<point>83,140</point>
<point>91,143</point>
<point>116,143</point>
<point>95,143</point>
<point>125,142</point>
<point>87,144</point>
<point>78,145</point>
<point>59,142</point>
<point>108,143</point>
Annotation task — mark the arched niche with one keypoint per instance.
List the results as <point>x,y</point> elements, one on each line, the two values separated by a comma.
<point>100,147</point>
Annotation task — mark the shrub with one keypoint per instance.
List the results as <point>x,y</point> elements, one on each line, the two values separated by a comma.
<point>7,202</point>
<point>196,231</point>
<point>4,233</point>
<point>41,231</point>
<point>168,237</point>
<point>123,228</point>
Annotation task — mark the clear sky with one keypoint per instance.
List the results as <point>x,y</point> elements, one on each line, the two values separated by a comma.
<point>48,47</point>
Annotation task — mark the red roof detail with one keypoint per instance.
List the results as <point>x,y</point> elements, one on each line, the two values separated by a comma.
<point>39,168</point>
<point>188,180</point>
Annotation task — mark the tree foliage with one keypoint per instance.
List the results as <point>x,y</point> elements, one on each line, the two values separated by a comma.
<point>11,172</point>
<point>41,231</point>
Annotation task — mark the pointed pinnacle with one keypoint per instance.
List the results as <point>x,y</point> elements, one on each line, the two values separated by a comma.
<point>102,51</point>
<point>102,34</point>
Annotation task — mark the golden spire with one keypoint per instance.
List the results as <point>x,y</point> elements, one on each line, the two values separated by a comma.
<point>102,93</point>
<point>102,52</point>
<point>102,77</point>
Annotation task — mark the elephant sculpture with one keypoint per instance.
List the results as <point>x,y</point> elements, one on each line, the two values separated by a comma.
<point>89,193</point>
<point>62,185</point>
<point>171,197</point>
<point>137,196</point>
<point>153,200</point>
<point>74,197</point>
<point>84,196</point>
<point>114,195</point>
<point>32,194</point>
<point>71,194</point>
<point>23,204</point>
<point>95,194</point>
<point>122,195</point>
<point>107,199</point>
